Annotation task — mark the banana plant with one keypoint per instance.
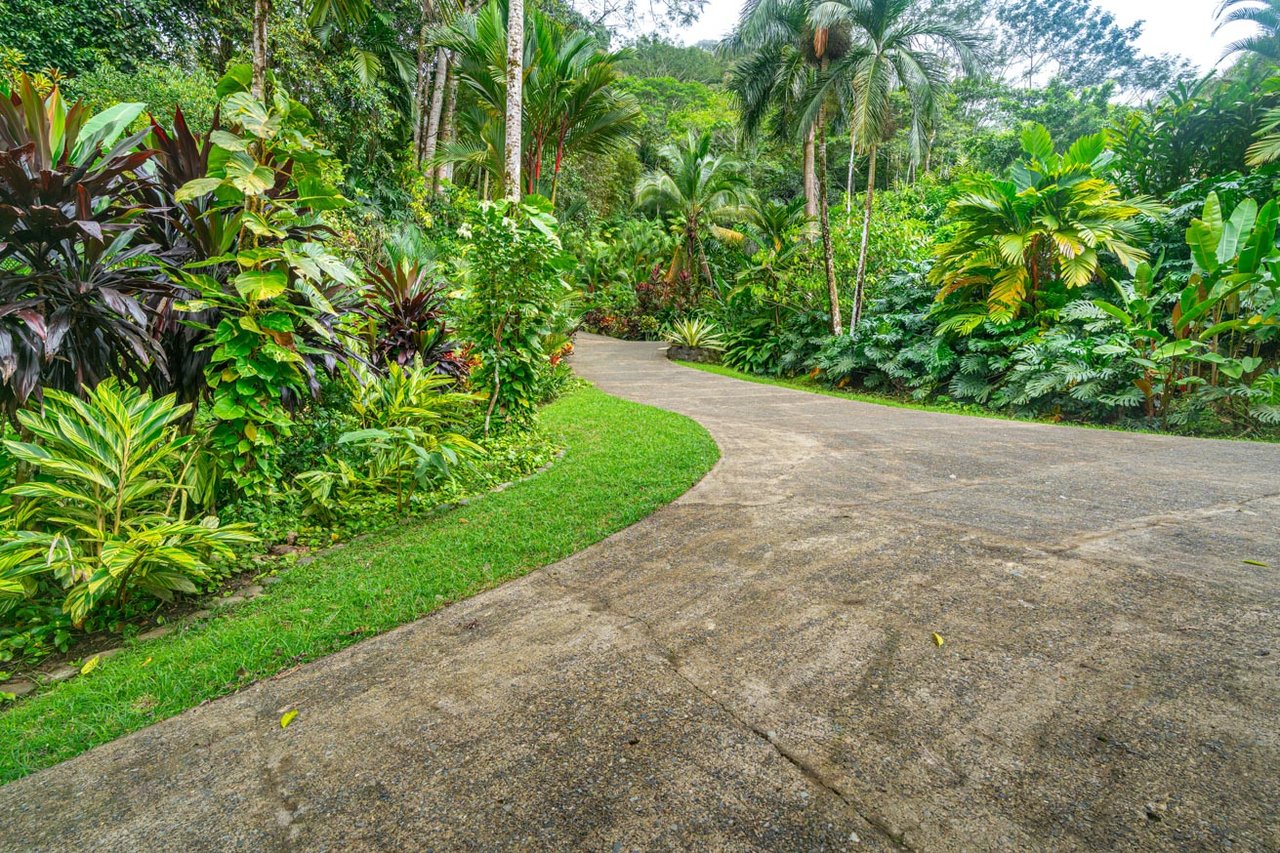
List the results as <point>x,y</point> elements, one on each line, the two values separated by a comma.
<point>103,518</point>
<point>1145,344</point>
<point>1231,304</point>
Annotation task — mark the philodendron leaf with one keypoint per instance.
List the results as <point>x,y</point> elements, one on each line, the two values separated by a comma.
<point>260,285</point>
<point>196,188</point>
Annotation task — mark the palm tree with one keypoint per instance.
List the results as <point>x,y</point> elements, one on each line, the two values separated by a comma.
<point>1267,148</point>
<point>774,72</point>
<point>772,223</point>
<point>514,100</point>
<point>1265,14</point>
<point>1048,222</point>
<point>699,192</point>
<point>894,48</point>
<point>568,101</point>
<point>785,71</point>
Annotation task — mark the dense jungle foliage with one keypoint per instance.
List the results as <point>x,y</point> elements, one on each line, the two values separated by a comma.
<point>266,268</point>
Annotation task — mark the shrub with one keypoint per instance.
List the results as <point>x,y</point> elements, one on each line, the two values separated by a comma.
<point>694,333</point>
<point>105,517</point>
<point>514,274</point>
<point>404,441</point>
<point>74,274</point>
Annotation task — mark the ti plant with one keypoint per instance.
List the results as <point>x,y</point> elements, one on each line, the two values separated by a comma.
<point>274,310</point>
<point>74,273</point>
<point>104,516</point>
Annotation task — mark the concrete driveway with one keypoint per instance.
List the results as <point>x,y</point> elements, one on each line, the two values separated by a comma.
<point>754,667</point>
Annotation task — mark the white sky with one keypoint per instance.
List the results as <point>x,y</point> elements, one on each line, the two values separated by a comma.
<point>1172,26</point>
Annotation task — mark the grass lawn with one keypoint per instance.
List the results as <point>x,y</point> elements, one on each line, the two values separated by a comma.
<point>622,462</point>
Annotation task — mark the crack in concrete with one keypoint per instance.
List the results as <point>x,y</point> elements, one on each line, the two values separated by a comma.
<point>810,773</point>
<point>1152,522</point>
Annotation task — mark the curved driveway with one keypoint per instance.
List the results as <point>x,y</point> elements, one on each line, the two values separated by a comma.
<point>754,667</point>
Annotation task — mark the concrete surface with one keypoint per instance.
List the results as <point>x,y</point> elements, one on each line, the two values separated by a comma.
<point>754,666</point>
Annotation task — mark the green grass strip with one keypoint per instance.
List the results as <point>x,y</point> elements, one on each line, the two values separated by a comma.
<point>622,461</point>
<point>813,386</point>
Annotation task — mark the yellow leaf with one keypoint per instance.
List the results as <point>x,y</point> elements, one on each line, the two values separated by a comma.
<point>250,431</point>
<point>90,665</point>
<point>147,662</point>
<point>1257,563</point>
<point>287,719</point>
<point>937,639</point>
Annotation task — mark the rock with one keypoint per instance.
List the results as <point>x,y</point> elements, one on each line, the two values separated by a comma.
<point>697,355</point>
<point>62,673</point>
<point>251,591</point>
<point>285,549</point>
<point>156,633</point>
<point>305,561</point>
<point>272,580</point>
<point>202,614</point>
<point>230,601</point>
<point>106,653</point>
<point>18,687</point>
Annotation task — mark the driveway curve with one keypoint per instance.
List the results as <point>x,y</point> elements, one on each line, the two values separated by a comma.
<point>756,667</point>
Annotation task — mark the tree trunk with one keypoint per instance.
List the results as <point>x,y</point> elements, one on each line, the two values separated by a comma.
<point>446,124</point>
<point>810,181</point>
<point>422,86</point>
<point>848,184</point>
<point>515,93</point>
<point>261,11</point>
<point>438,83</point>
<point>866,242</point>
<point>824,220</point>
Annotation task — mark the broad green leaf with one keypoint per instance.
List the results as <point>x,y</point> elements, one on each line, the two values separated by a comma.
<point>1173,349</point>
<point>260,285</point>
<point>1115,311</point>
<point>101,131</point>
<point>225,409</point>
<point>247,176</point>
<point>1037,142</point>
<point>196,188</point>
<point>1261,242</point>
<point>228,141</point>
<point>1238,227</point>
<point>1203,241</point>
<point>237,79</point>
<point>248,112</point>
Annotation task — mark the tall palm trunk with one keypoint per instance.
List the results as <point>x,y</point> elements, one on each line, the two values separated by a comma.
<point>866,242</point>
<point>824,219</point>
<point>447,129</point>
<point>261,11</point>
<point>422,86</point>
<point>810,180</point>
<point>439,83</point>
<point>515,93</point>
<point>848,183</point>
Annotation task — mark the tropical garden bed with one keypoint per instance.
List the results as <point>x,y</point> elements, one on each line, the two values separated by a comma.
<point>621,462</point>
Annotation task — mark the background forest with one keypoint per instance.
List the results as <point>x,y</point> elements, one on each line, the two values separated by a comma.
<point>262,268</point>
